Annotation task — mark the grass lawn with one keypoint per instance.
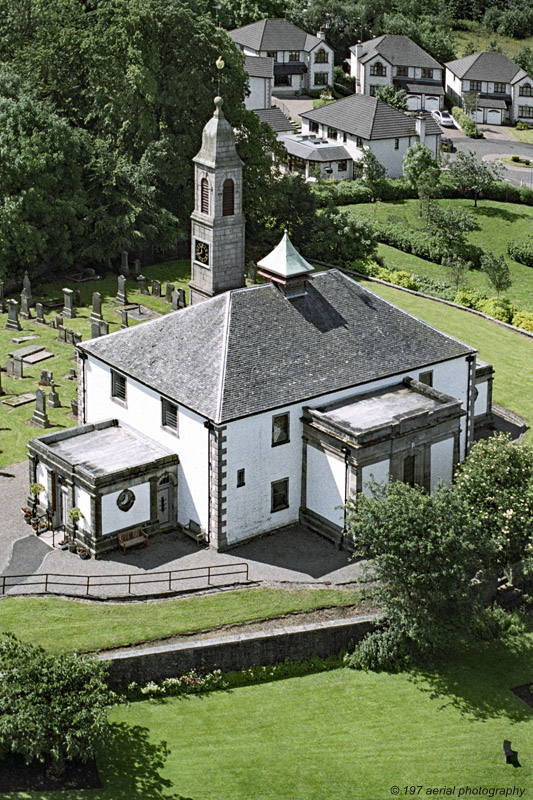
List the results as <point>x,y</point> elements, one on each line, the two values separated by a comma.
<point>510,353</point>
<point>499,223</point>
<point>58,624</point>
<point>14,428</point>
<point>336,735</point>
<point>522,136</point>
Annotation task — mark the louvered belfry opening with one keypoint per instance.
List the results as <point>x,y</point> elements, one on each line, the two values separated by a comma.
<point>204,196</point>
<point>228,198</point>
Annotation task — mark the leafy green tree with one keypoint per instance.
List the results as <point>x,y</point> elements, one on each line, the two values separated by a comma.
<point>426,553</point>
<point>449,225</point>
<point>496,484</point>
<point>372,171</point>
<point>497,271</point>
<point>458,270</point>
<point>395,98</point>
<point>428,31</point>
<point>53,708</point>
<point>428,185</point>
<point>524,59</point>
<point>339,237</point>
<point>469,175</point>
<point>417,160</point>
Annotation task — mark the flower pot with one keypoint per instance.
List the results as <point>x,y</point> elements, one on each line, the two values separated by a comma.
<point>64,546</point>
<point>72,547</point>
<point>85,555</point>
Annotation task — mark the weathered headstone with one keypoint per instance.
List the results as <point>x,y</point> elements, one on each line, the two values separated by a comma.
<point>61,333</point>
<point>124,323</point>
<point>24,306</point>
<point>77,337</point>
<point>252,271</point>
<point>40,417</point>
<point>95,329</point>
<point>59,320</point>
<point>122,296</point>
<point>104,328</point>
<point>182,302</point>
<point>74,407</point>
<point>137,267</point>
<point>77,298</point>
<point>124,263</point>
<point>10,367</point>
<point>70,336</point>
<point>175,300</point>
<point>156,288</point>
<point>39,310</point>
<point>96,313</point>
<point>2,299</point>
<point>168,292</point>
<point>26,287</point>
<point>143,284</point>
<point>72,374</point>
<point>53,397</point>
<point>68,304</point>
<point>13,323</point>
<point>46,377</point>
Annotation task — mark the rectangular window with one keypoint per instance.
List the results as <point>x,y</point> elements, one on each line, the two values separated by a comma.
<point>427,73</point>
<point>342,166</point>
<point>475,86</point>
<point>321,78</point>
<point>402,72</point>
<point>526,90</point>
<point>272,54</point>
<point>396,144</point>
<point>372,90</point>
<point>280,429</point>
<point>525,111</point>
<point>313,127</point>
<point>426,377</point>
<point>344,136</point>
<point>294,56</point>
<point>358,141</point>
<point>499,88</point>
<point>332,133</point>
<point>169,414</point>
<point>240,477</point>
<point>279,495</point>
<point>118,386</point>
<point>282,80</point>
<point>378,69</point>
<point>409,470</point>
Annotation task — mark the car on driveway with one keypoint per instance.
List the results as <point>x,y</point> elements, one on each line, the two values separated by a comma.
<point>444,118</point>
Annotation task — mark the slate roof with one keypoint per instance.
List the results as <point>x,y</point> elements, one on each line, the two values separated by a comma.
<point>275,118</point>
<point>486,67</point>
<point>274,34</point>
<point>314,149</point>
<point>252,350</point>
<point>484,101</point>
<point>423,88</point>
<point>259,66</point>
<point>290,68</point>
<point>368,117</point>
<point>399,51</point>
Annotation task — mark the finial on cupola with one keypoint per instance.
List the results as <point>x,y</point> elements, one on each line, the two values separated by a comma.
<point>219,64</point>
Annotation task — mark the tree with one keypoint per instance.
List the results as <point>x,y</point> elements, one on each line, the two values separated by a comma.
<point>339,237</point>
<point>458,269</point>
<point>468,174</point>
<point>53,708</point>
<point>496,484</point>
<point>389,95</point>
<point>431,32</point>
<point>426,553</point>
<point>497,271</point>
<point>373,171</point>
<point>428,185</point>
<point>524,59</point>
<point>417,160</point>
<point>449,225</point>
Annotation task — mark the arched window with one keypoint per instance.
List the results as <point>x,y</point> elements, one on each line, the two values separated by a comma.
<point>526,90</point>
<point>228,198</point>
<point>378,69</point>
<point>204,196</point>
<point>321,56</point>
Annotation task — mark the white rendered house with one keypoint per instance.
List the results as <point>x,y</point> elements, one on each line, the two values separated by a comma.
<point>255,407</point>
<point>260,71</point>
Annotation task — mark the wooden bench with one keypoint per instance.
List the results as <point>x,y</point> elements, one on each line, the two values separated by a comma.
<point>511,756</point>
<point>131,538</point>
<point>197,533</point>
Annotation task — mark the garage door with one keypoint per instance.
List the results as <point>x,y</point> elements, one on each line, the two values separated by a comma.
<point>432,103</point>
<point>494,116</point>
<point>413,102</point>
<point>477,116</point>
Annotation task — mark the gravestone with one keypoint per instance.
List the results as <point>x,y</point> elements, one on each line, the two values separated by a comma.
<point>104,328</point>
<point>96,313</point>
<point>168,293</point>
<point>77,298</point>
<point>40,417</point>
<point>175,300</point>
<point>137,267</point>
<point>95,329</point>
<point>46,377</point>
<point>156,288</point>
<point>122,296</point>
<point>13,323</point>
<point>72,374</point>
<point>68,304</point>
<point>124,263</point>
<point>26,287</point>
<point>2,299</point>
<point>77,338</point>
<point>39,310</point>
<point>74,407</point>
<point>59,320</point>
<point>143,284</point>
<point>53,397</point>
<point>182,302</point>
<point>10,367</point>
<point>61,333</point>
<point>252,271</point>
<point>125,323</point>
<point>24,306</point>
<point>70,336</point>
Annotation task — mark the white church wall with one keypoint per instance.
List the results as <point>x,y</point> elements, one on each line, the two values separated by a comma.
<point>113,519</point>
<point>82,500</point>
<point>480,406</point>
<point>378,471</point>
<point>441,462</point>
<point>326,483</point>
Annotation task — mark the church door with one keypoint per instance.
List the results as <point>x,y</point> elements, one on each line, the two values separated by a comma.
<point>62,505</point>
<point>164,502</point>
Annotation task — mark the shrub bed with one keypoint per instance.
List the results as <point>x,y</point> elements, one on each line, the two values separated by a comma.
<point>420,244</point>
<point>467,124</point>
<point>522,251</point>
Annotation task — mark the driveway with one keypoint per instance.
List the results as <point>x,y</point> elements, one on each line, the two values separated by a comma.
<point>292,107</point>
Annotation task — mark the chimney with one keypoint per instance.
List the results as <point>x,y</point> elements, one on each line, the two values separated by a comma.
<point>358,50</point>
<point>321,33</point>
<point>420,124</point>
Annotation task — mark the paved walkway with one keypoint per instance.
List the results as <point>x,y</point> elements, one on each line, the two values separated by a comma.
<point>292,556</point>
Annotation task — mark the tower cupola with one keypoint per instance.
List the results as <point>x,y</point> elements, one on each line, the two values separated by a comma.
<point>285,267</point>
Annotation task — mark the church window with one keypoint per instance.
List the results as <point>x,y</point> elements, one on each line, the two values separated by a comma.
<point>204,196</point>
<point>228,198</point>
<point>169,414</point>
<point>426,377</point>
<point>279,495</point>
<point>118,386</point>
<point>280,429</point>
<point>240,477</point>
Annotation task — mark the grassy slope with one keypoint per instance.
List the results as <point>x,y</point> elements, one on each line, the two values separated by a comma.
<point>69,624</point>
<point>481,37</point>
<point>510,353</point>
<point>499,223</point>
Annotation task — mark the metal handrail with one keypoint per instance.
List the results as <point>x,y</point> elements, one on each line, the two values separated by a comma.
<point>48,579</point>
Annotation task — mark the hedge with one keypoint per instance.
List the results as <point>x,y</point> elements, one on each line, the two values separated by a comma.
<point>468,125</point>
<point>522,251</point>
<point>420,244</point>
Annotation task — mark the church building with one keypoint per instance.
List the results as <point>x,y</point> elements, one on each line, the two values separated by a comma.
<point>256,407</point>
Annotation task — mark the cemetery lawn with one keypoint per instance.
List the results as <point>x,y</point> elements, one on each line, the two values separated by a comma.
<point>58,624</point>
<point>510,353</point>
<point>15,430</point>
<point>499,223</point>
<point>338,734</point>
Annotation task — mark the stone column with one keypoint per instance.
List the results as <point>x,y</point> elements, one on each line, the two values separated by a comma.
<point>13,323</point>
<point>68,304</point>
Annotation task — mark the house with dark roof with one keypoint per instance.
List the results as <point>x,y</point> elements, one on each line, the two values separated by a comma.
<point>398,61</point>
<point>257,406</point>
<point>302,61</point>
<point>335,136</point>
<point>260,72</point>
<point>491,88</point>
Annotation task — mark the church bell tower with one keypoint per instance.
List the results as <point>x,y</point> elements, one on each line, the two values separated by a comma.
<point>217,222</point>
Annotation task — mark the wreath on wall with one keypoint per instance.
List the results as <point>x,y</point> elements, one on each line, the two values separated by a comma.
<point>125,500</point>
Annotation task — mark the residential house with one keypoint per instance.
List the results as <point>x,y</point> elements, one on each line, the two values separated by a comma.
<point>260,72</point>
<point>255,407</point>
<point>302,61</point>
<point>491,88</point>
<point>335,136</point>
<point>391,60</point>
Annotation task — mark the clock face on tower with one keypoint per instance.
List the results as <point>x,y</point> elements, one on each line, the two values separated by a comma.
<point>201,252</point>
